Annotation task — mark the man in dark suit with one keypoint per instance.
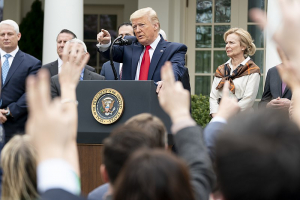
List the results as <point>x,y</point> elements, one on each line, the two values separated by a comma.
<point>148,52</point>
<point>276,94</point>
<point>64,36</point>
<point>85,74</point>
<point>124,29</point>
<point>16,66</point>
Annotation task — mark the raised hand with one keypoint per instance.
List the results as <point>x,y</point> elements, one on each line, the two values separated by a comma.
<point>228,106</point>
<point>103,37</point>
<point>173,98</point>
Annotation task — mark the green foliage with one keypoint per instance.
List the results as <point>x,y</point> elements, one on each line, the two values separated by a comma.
<point>200,109</point>
<point>31,29</point>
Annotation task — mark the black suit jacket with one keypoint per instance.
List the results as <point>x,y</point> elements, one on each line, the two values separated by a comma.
<point>13,92</point>
<point>273,87</point>
<point>88,75</point>
<point>53,68</point>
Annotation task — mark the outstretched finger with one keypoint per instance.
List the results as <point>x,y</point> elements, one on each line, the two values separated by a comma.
<point>226,90</point>
<point>259,16</point>
<point>282,55</point>
<point>167,74</point>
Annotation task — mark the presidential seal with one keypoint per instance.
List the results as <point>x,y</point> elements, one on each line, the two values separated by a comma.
<point>107,106</point>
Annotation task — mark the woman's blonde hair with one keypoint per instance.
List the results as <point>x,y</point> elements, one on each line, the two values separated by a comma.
<point>245,39</point>
<point>18,161</point>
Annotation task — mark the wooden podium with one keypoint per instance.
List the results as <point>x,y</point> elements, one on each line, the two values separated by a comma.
<point>139,97</point>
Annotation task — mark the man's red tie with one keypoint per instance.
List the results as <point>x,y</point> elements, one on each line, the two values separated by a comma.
<point>145,64</point>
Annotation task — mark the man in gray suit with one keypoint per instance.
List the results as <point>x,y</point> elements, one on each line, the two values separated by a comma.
<point>276,95</point>
<point>85,74</point>
<point>64,36</point>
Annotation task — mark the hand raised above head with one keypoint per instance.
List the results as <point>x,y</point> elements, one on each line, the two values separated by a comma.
<point>103,37</point>
<point>174,99</point>
<point>74,60</point>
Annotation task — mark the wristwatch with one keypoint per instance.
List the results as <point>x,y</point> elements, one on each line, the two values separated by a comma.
<point>8,111</point>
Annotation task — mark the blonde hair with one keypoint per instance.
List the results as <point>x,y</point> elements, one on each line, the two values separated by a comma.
<point>245,40</point>
<point>18,161</point>
<point>152,16</point>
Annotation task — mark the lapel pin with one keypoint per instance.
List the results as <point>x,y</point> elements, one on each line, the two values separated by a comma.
<point>161,50</point>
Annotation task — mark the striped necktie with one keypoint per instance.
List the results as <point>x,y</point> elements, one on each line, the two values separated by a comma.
<point>5,68</point>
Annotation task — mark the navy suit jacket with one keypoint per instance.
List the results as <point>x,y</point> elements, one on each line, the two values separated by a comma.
<point>13,92</point>
<point>108,72</point>
<point>53,68</point>
<point>165,51</point>
<point>273,88</point>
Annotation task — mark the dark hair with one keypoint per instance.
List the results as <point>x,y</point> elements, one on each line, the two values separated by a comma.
<point>121,143</point>
<point>258,157</point>
<point>152,126</point>
<point>154,175</point>
<point>124,24</point>
<point>67,31</point>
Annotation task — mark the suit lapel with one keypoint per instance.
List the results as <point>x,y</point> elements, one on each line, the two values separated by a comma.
<point>54,68</point>
<point>18,59</point>
<point>159,50</point>
<point>136,53</point>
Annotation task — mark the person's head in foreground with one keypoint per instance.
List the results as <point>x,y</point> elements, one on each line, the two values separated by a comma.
<point>120,144</point>
<point>258,158</point>
<point>18,161</point>
<point>152,126</point>
<point>154,175</point>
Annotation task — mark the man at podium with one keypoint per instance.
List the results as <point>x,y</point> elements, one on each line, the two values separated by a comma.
<point>148,51</point>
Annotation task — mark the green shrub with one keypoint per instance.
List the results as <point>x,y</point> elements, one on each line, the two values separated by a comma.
<point>31,28</point>
<point>200,109</point>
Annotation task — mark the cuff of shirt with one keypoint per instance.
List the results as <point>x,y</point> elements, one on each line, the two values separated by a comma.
<point>182,124</point>
<point>57,174</point>
<point>103,47</point>
<point>219,119</point>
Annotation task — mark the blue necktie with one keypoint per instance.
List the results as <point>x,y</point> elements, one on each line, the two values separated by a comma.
<point>5,68</point>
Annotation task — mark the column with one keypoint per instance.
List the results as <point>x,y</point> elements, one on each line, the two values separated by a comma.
<point>274,17</point>
<point>66,14</point>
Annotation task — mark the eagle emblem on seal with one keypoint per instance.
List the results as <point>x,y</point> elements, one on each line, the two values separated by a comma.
<point>108,106</point>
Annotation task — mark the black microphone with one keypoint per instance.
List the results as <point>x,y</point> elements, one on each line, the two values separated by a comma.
<point>123,42</point>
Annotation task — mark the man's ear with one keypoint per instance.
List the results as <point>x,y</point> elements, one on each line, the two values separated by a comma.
<point>104,173</point>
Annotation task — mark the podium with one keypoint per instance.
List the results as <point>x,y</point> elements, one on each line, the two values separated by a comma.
<point>139,97</point>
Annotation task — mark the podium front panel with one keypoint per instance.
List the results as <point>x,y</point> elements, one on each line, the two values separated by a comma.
<point>139,97</point>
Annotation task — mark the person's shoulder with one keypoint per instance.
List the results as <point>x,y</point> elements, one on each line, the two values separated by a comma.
<point>48,65</point>
<point>55,77</point>
<point>96,76</point>
<point>98,192</point>
<point>28,56</point>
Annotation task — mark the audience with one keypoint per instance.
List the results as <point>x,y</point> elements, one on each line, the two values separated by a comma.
<point>18,161</point>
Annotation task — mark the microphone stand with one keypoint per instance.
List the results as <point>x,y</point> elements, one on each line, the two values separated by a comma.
<point>111,57</point>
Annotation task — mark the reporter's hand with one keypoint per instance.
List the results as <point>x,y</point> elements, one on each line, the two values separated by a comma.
<point>228,106</point>
<point>74,60</point>
<point>174,99</point>
<point>103,37</point>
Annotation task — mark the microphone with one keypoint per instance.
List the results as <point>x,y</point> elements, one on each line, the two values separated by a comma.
<point>123,42</point>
